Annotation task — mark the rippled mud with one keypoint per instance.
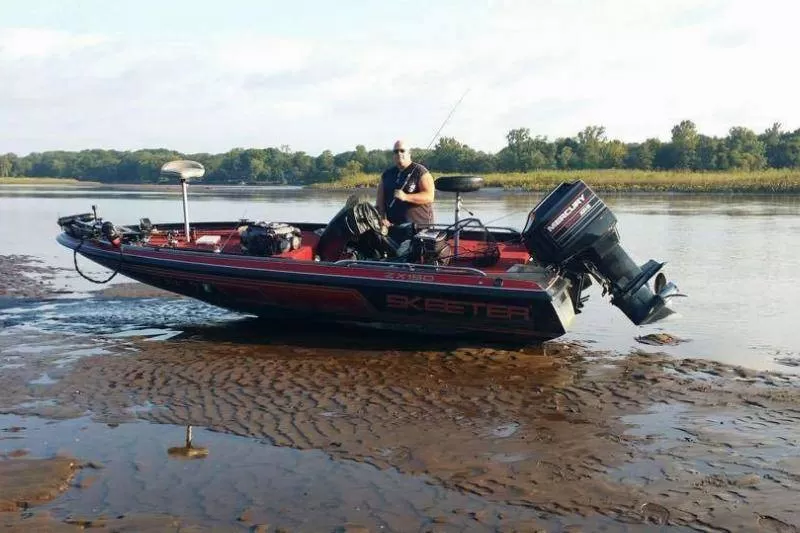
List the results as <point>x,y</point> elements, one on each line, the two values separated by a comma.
<point>26,277</point>
<point>326,429</point>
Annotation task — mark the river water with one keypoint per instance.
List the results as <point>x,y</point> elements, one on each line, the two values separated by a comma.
<point>735,256</point>
<point>345,429</point>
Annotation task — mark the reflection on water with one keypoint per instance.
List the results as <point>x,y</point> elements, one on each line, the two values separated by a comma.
<point>245,483</point>
<point>188,450</point>
<point>184,319</point>
<point>734,255</point>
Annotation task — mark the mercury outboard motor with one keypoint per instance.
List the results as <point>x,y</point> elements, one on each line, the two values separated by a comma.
<point>358,229</point>
<point>573,230</point>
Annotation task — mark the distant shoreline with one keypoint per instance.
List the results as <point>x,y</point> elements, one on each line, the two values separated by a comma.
<point>773,181</point>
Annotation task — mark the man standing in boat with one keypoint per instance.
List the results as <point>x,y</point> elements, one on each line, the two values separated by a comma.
<point>406,190</point>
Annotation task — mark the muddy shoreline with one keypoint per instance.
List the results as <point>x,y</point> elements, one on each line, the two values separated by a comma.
<point>534,436</point>
<point>24,277</point>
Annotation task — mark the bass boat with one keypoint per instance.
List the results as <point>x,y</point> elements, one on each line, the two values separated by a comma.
<point>515,284</point>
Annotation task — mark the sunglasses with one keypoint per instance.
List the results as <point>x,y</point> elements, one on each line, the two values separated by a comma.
<point>399,150</point>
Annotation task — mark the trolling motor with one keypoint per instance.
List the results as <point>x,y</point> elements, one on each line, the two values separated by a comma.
<point>184,170</point>
<point>573,230</point>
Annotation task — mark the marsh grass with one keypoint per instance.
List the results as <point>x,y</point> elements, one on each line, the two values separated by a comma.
<point>46,181</point>
<point>766,181</point>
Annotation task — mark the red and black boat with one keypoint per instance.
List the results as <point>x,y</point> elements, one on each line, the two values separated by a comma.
<point>464,277</point>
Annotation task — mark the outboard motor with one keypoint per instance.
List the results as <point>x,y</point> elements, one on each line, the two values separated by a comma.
<point>357,228</point>
<point>573,230</point>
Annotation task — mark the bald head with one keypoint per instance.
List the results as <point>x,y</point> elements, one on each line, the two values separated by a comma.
<point>401,154</point>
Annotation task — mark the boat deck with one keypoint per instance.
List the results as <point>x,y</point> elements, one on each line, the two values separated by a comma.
<point>227,241</point>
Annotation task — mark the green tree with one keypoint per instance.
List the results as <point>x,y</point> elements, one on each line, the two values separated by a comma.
<point>772,138</point>
<point>613,154</point>
<point>746,150</point>
<point>517,155</point>
<point>642,156</point>
<point>448,155</point>
<point>708,153</point>
<point>684,145</point>
<point>565,157</point>
<point>7,165</point>
<point>361,155</point>
<point>352,168</point>
<point>790,150</point>
<point>590,146</point>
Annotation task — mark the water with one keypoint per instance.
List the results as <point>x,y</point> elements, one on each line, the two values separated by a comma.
<point>734,256</point>
<point>135,470</point>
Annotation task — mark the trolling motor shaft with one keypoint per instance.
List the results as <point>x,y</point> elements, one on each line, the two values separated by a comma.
<point>184,170</point>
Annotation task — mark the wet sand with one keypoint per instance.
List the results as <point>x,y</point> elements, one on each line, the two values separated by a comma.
<point>26,277</point>
<point>34,480</point>
<point>510,439</point>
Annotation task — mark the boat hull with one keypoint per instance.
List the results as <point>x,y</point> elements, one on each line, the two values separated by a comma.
<point>491,306</point>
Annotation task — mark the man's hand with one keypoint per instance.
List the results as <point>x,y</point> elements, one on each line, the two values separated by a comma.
<point>385,223</point>
<point>400,195</point>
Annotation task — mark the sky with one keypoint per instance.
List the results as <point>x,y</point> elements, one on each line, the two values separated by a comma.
<point>197,76</point>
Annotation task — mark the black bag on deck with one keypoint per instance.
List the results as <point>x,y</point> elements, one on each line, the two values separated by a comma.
<point>267,239</point>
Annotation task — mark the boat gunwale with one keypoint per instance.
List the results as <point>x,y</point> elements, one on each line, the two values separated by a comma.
<point>521,288</point>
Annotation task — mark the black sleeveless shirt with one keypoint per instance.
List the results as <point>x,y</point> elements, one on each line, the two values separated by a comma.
<point>408,179</point>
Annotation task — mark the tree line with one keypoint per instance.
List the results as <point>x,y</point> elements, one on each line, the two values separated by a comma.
<point>741,149</point>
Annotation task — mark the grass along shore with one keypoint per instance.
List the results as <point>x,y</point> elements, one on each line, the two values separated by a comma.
<point>776,181</point>
<point>772,181</point>
<point>48,181</point>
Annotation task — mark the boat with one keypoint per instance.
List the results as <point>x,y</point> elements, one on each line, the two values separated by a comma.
<point>465,278</point>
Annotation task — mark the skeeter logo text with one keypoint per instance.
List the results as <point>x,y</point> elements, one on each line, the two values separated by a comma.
<point>454,307</point>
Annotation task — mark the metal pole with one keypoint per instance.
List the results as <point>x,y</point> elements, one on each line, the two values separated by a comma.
<point>184,186</point>
<point>458,208</point>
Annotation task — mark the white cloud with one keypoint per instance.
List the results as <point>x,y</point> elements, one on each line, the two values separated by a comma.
<point>32,43</point>
<point>555,67</point>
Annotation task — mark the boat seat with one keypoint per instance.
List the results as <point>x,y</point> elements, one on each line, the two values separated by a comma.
<point>458,183</point>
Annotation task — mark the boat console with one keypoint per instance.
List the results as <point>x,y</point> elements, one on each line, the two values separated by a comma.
<point>356,232</point>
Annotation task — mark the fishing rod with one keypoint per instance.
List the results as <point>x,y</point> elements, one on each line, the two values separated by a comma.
<point>504,216</point>
<point>446,120</point>
<point>435,135</point>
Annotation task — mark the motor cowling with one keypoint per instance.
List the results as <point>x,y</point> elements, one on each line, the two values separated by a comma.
<point>267,239</point>
<point>573,230</point>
